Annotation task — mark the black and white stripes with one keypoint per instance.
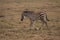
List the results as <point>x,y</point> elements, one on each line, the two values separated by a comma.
<point>35,16</point>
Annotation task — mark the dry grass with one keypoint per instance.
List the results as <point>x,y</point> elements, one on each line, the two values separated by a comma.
<point>11,28</point>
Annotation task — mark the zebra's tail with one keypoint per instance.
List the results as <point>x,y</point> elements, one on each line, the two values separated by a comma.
<point>47,18</point>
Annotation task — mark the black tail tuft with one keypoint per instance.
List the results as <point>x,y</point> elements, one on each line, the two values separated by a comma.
<point>48,20</point>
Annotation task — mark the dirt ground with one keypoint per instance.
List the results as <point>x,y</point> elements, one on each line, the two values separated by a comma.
<point>11,28</point>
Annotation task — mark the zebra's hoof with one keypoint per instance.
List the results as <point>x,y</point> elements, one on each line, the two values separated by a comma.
<point>37,28</point>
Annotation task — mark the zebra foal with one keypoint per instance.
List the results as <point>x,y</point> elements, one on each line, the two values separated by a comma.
<point>35,16</point>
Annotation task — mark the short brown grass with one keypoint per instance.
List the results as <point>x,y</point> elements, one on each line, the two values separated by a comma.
<point>11,28</point>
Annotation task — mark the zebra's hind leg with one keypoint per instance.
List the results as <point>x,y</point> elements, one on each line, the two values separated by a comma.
<point>46,24</point>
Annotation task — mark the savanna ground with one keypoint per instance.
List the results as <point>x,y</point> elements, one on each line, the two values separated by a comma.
<point>11,28</point>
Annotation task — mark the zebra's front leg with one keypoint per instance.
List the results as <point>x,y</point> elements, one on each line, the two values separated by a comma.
<point>44,24</point>
<point>31,24</point>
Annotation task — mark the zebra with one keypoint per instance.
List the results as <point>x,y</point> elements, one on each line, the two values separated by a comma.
<point>35,16</point>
